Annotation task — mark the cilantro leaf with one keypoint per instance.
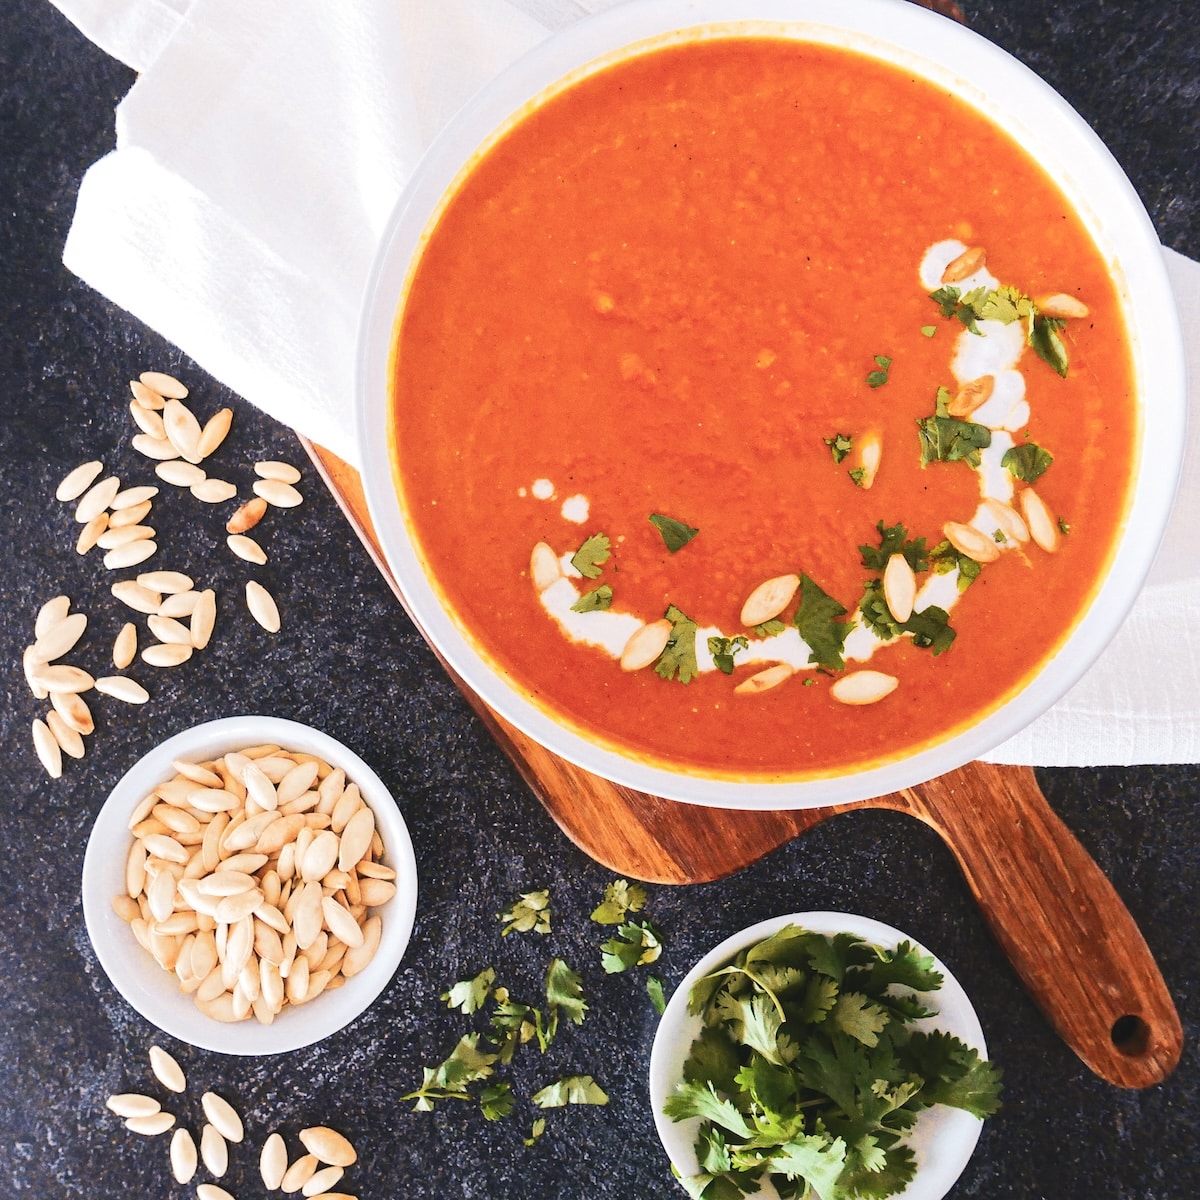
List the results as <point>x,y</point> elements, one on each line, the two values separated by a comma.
<point>854,1014</point>
<point>770,628</point>
<point>678,659</point>
<point>470,995</point>
<point>638,942</point>
<point>620,897</point>
<point>879,377</point>
<point>723,649</point>
<point>701,1100</point>
<point>530,912</point>
<point>1047,344</point>
<point>944,558</point>
<point>496,1101</point>
<point>930,629</point>
<point>564,994</point>
<point>894,539</point>
<point>948,439</point>
<point>573,1089</point>
<point>816,1158</point>
<point>1027,462</point>
<point>656,990</point>
<point>953,1073</point>
<point>597,600</point>
<point>675,534</point>
<point>817,622</point>
<point>592,555</point>
<point>536,1131</point>
<point>839,445</point>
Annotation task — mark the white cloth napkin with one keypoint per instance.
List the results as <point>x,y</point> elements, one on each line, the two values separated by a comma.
<point>258,157</point>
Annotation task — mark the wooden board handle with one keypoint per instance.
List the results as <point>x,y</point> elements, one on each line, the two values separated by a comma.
<point>1059,920</point>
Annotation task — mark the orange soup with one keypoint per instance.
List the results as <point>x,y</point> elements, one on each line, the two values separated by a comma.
<point>747,322</point>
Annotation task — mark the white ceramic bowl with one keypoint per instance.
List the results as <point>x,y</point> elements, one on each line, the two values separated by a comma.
<point>154,992</point>
<point>943,1139</point>
<point>985,77</point>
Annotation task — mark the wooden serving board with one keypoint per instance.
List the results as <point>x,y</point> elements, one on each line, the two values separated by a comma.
<point>1059,920</point>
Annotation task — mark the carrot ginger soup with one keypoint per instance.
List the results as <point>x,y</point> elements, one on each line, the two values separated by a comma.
<point>761,409</point>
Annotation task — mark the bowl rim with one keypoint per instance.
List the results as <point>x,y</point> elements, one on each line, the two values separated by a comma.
<point>155,994</point>
<point>943,1138</point>
<point>980,73</point>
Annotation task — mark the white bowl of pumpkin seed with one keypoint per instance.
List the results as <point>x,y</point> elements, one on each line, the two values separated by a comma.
<point>249,885</point>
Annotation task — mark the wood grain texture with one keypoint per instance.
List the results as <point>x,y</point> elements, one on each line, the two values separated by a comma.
<point>1059,920</point>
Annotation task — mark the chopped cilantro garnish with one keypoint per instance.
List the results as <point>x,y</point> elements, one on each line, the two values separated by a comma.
<point>1006,304</point>
<point>947,439</point>
<point>1063,527</point>
<point>678,660</point>
<point>817,622</point>
<point>839,445</point>
<point>723,649</point>
<point>894,539</point>
<point>859,475</point>
<point>592,555</point>
<point>930,629</point>
<point>929,330</point>
<point>944,558</point>
<point>675,534</point>
<point>770,628</point>
<point>597,600</point>
<point>879,377</point>
<point>1027,462</point>
<point>1045,340</point>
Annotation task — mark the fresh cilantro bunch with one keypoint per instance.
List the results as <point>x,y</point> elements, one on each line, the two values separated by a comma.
<point>807,1070</point>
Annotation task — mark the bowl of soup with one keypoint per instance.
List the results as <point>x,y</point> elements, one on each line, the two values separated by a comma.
<point>769,404</point>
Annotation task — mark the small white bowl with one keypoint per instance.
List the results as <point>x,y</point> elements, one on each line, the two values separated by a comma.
<point>943,1139</point>
<point>154,992</point>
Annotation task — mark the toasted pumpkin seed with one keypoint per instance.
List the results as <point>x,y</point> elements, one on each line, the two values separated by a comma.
<point>203,619</point>
<point>968,540</point>
<point>863,687</point>
<point>180,473</point>
<point>277,493</point>
<point>61,677</point>
<point>130,555</point>
<point>47,747</point>
<point>91,533</point>
<point>761,681</point>
<point>262,606</point>
<point>971,396</point>
<point>215,430</point>
<point>129,497</point>
<point>137,596</point>
<point>246,548</point>
<point>160,449</point>
<point>50,614</point>
<point>223,1116</point>
<point>133,1104</point>
<point>273,1161</point>
<point>73,709</point>
<point>899,587</point>
<point>78,480</point>
<point>213,491</point>
<point>1007,519</point>
<point>274,469</point>
<point>122,535</point>
<point>1042,526</point>
<point>183,1156</point>
<point>1061,305</point>
<point>129,516</point>
<point>300,1172</point>
<point>167,654</point>
<point>183,430</point>
<point>121,687</point>
<point>322,1181</point>
<point>769,599</point>
<point>328,1146</point>
<point>145,396</point>
<point>69,739</point>
<point>150,1126</point>
<point>96,499</point>
<point>163,384</point>
<point>972,259</point>
<point>214,1150</point>
<point>247,516</point>
<point>60,638</point>
<point>646,645</point>
<point>167,582</point>
<point>125,646</point>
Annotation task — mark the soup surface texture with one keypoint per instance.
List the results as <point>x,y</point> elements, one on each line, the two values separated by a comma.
<point>664,319</point>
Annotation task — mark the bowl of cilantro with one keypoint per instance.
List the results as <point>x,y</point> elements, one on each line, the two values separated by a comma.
<point>820,1054</point>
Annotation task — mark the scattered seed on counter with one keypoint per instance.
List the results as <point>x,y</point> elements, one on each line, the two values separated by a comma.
<point>262,606</point>
<point>214,1150</point>
<point>77,481</point>
<point>247,516</point>
<point>277,493</point>
<point>184,1160</point>
<point>246,548</point>
<point>166,1070</point>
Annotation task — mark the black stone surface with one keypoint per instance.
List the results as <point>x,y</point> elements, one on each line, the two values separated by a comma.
<point>348,662</point>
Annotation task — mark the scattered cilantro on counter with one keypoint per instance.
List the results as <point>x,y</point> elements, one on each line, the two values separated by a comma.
<point>530,912</point>
<point>675,534</point>
<point>573,1089</point>
<point>620,898</point>
<point>806,1071</point>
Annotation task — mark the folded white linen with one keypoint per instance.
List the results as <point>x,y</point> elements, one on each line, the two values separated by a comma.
<point>258,157</point>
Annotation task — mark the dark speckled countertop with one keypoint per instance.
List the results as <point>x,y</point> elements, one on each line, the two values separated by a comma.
<point>348,662</point>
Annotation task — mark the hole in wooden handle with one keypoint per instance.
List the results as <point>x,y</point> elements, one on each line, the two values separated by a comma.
<point>1130,1035</point>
